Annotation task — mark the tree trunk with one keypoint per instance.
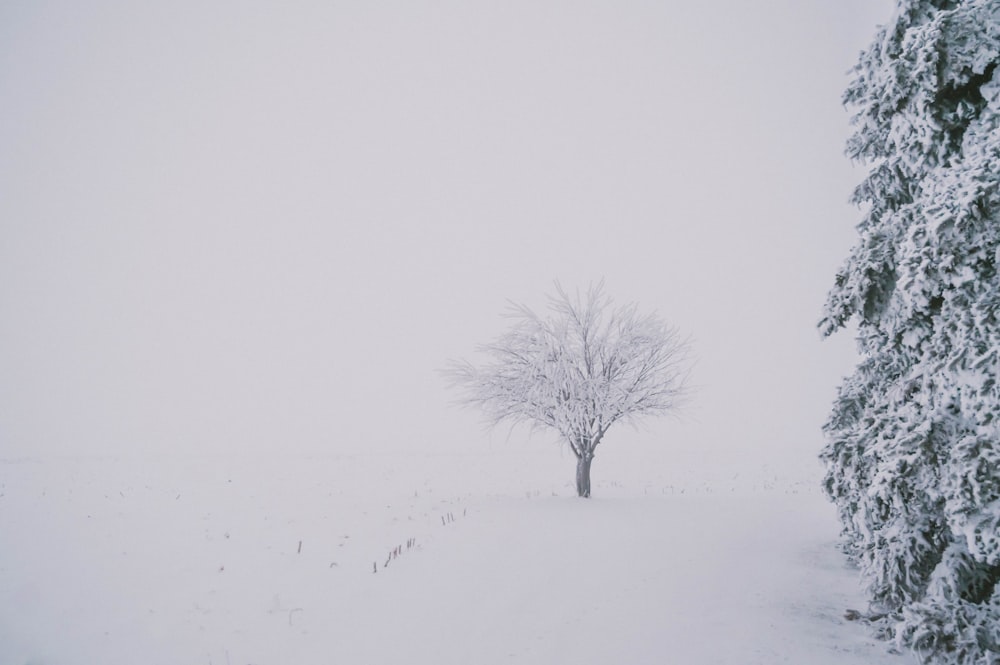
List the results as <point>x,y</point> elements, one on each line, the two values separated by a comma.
<point>583,474</point>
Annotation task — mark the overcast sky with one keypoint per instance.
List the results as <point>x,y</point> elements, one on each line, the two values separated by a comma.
<point>262,226</point>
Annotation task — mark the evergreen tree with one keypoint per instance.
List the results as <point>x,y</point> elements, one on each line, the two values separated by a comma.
<point>913,442</point>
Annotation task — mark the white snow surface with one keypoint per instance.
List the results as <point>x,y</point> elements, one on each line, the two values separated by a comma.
<point>197,560</point>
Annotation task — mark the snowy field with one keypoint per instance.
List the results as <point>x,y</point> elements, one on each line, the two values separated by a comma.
<point>289,560</point>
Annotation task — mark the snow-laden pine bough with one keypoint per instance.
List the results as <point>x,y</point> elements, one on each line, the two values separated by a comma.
<point>913,442</point>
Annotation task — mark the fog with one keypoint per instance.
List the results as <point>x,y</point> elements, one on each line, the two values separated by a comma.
<point>262,227</point>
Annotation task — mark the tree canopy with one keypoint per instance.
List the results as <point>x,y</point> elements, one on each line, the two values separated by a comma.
<point>578,371</point>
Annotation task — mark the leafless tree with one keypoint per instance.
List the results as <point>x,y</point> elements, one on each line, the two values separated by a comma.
<point>586,366</point>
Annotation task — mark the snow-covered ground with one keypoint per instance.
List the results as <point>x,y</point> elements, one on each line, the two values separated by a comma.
<point>288,560</point>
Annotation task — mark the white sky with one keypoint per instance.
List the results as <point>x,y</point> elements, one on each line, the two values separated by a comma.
<point>263,226</point>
